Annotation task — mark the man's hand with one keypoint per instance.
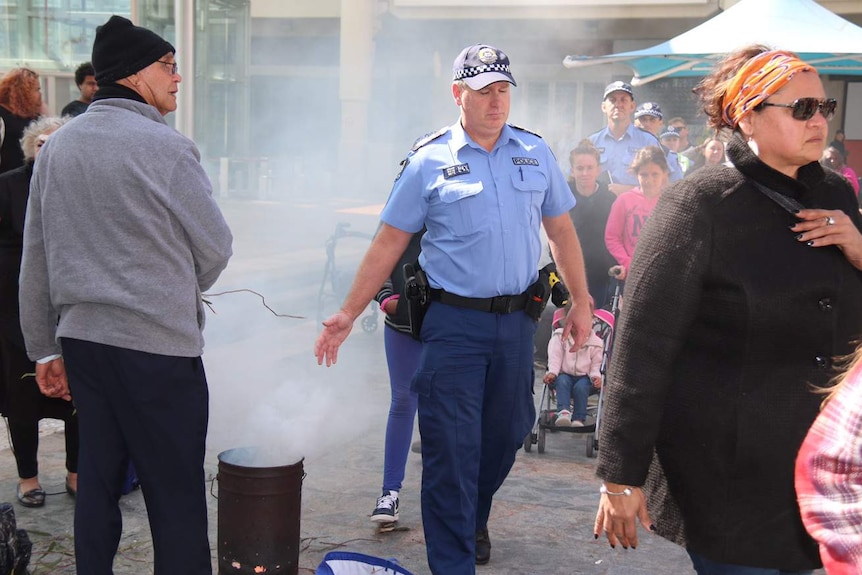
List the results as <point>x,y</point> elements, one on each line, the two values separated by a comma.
<point>335,331</point>
<point>51,379</point>
<point>579,324</point>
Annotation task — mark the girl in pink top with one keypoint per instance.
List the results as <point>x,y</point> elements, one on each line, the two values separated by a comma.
<point>631,209</point>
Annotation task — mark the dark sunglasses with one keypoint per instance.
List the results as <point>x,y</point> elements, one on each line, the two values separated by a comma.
<point>804,108</point>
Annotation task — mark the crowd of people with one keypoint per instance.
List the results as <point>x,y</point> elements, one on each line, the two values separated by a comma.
<point>712,385</point>
<point>711,435</point>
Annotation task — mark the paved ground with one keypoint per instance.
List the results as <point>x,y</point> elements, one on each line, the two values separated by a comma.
<point>267,389</point>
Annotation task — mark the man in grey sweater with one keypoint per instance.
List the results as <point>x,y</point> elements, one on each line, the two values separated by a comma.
<point>114,264</point>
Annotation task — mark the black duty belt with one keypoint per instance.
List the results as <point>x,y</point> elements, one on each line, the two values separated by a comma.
<point>498,304</point>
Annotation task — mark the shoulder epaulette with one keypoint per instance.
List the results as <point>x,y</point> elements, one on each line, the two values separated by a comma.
<point>428,138</point>
<point>524,130</point>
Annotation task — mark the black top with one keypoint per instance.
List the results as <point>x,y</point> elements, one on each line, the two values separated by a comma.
<point>11,155</point>
<point>74,108</point>
<point>395,285</point>
<point>838,145</point>
<point>590,216</point>
<point>14,191</point>
<point>729,324</point>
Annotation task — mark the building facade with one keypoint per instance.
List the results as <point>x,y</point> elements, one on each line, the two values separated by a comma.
<point>287,98</point>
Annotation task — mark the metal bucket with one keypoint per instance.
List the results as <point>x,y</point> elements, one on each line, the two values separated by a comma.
<point>259,502</point>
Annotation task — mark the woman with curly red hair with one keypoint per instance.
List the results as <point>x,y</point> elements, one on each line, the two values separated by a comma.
<point>20,104</point>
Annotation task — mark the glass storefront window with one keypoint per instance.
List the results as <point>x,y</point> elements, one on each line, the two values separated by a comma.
<point>52,35</point>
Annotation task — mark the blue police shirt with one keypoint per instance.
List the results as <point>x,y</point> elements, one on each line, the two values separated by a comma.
<point>673,164</point>
<point>482,210</point>
<point>617,155</point>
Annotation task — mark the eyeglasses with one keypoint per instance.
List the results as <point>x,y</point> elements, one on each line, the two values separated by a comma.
<point>172,66</point>
<point>804,109</point>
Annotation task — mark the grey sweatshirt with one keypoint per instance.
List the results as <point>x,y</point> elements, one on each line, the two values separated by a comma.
<point>122,235</point>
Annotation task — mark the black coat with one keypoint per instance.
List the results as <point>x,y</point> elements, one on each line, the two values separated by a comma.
<point>11,155</point>
<point>728,326</point>
<point>14,191</point>
<point>20,399</point>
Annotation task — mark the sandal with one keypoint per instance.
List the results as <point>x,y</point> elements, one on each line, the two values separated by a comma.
<point>32,498</point>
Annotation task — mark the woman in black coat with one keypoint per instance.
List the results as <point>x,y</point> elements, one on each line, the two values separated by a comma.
<point>24,404</point>
<point>744,288</point>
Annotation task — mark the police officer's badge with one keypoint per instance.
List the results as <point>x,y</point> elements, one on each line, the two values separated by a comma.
<point>487,55</point>
<point>648,106</point>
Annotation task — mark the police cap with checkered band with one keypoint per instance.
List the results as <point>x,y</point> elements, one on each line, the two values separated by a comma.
<point>479,65</point>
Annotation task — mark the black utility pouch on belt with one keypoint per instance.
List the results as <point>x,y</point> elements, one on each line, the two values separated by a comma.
<point>548,286</point>
<point>417,292</point>
<point>537,299</point>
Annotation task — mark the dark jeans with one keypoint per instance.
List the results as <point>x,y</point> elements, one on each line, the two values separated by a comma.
<point>705,566</point>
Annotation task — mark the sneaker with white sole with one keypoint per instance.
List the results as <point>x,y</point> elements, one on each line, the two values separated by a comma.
<point>577,423</point>
<point>564,418</point>
<point>386,510</point>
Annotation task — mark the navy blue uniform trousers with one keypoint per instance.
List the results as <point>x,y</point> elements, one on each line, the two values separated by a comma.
<point>152,409</point>
<point>474,382</point>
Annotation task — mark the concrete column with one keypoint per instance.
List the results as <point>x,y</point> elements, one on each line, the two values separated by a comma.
<point>357,55</point>
<point>184,16</point>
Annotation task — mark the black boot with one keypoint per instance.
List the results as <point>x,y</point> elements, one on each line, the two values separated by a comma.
<point>483,546</point>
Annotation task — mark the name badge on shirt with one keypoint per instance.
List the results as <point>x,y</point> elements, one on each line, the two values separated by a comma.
<point>456,170</point>
<point>525,161</point>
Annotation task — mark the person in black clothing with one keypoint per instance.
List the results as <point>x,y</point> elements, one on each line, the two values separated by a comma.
<point>838,143</point>
<point>590,216</point>
<point>24,404</point>
<point>85,79</point>
<point>402,359</point>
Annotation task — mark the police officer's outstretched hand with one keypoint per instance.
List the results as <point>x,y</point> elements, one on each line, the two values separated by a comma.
<point>579,324</point>
<point>335,331</point>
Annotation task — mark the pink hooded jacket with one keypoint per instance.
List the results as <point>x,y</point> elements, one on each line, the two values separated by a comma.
<point>586,361</point>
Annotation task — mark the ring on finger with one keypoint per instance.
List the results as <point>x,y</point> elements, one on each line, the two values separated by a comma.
<point>830,221</point>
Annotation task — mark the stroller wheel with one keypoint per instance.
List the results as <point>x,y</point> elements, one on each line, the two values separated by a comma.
<point>528,443</point>
<point>542,433</point>
<point>590,451</point>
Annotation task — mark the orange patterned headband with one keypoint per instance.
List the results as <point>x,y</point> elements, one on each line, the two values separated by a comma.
<point>757,80</point>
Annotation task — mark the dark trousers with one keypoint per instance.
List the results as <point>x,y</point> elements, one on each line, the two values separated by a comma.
<point>475,409</point>
<point>25,442</point>
<point>152,409</point>
<point>25,406</point>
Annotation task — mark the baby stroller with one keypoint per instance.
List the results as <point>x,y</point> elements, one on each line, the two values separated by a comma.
<point>336,283</point>
<point>603,326</point>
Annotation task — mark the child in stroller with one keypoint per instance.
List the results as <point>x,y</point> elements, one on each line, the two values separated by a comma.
<point>575,375</point>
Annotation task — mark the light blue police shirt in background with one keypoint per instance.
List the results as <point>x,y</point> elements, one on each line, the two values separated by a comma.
<point>617,155</point>
<point>482,210</point>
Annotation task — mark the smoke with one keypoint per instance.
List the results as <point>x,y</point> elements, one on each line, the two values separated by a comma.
<point>266,388</point>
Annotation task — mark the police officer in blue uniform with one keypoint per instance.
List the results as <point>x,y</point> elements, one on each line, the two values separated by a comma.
<point>620,140</point>
<point>482,188</point>
<point>648,117</point>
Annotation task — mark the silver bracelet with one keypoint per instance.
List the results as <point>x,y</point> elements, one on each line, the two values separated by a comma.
<point>604,491</point>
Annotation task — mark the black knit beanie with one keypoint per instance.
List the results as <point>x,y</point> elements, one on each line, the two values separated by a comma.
<point>121,49</point>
